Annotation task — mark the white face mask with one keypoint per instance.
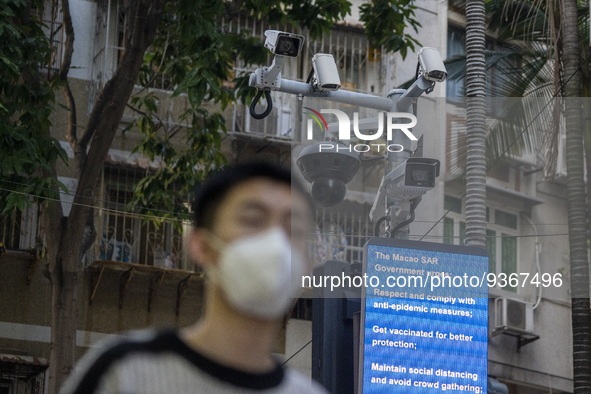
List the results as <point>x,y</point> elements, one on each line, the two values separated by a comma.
<point>260,274</point>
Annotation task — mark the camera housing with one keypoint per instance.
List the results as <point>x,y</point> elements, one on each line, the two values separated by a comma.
<point>431,65</point>
<point>328,171</point>
<point>412,178</point>
<point>283,44</point>
<point>326,72</point>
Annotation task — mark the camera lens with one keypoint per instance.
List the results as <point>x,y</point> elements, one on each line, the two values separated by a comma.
<point>328,191</point>
<point>287,46</point>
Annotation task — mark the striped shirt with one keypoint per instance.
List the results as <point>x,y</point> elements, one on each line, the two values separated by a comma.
<point>160,362</point>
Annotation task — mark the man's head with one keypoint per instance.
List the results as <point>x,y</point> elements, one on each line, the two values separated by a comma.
<point>211,193</point>
<point>255,206</point>
<point>211,196</point>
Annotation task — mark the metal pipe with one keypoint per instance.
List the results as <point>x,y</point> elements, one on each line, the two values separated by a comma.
<point>339,96</point>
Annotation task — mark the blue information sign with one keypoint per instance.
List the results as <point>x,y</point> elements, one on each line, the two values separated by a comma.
<point>424,318</point>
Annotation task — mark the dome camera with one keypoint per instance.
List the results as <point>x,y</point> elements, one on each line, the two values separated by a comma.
<point>328,191</point>
<point>328,167</point>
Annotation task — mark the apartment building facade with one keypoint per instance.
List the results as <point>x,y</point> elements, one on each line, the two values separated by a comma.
<point>136,274</point>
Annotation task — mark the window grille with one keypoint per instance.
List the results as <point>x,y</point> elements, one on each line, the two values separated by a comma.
<point>502,235</point>
<point>53,25</point>
<point>123,235</point>
<point>359,65</point>
<point>108,43</point>
<point>341,236</point>
<point>21,377</point>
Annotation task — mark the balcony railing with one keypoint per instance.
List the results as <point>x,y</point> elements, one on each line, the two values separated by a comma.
<point>340,236</point>
<point>131,238</point>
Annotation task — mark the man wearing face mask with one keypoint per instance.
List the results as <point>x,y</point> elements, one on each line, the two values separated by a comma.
<point>250,237</point>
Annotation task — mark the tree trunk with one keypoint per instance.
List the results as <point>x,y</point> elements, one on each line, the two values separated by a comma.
<point>64,234</point>
<point>476,124</point>
<point>64,292</point>
<point>577,213</point>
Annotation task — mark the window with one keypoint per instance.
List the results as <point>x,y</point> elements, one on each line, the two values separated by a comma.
<point>495,73</point>
<point>10,229</point>
<point>340,236</point>
<point>22,376</point>
<point>52,18</point>
<point>501,235</point>
<point>456,38</point>
<point>505,219</point>
<point>18,229</point>
<point>125,236</point>
<point>454,231</point>
<point>456,142</point>
<point>454,204</point>
<point>109,39</point>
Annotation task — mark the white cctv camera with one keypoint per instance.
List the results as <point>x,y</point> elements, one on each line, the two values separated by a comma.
<point>413,178</point>
<point>283,43</point>
<point>326,72</point>
<point>431,65</point>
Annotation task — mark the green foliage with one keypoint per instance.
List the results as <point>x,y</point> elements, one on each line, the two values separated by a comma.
<point>27,150</point>
<point>386,23</point>
<point>317,16</point>
<point>194,58</point>
<point>186,154</point>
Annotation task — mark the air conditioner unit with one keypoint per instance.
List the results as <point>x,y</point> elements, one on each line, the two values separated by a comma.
<point>513,316</point>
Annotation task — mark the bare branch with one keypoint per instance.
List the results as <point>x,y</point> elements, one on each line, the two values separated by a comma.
<point>62,79</point>
<point>62,75</point>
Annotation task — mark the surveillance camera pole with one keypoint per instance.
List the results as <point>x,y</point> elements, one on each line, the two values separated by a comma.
<point>398,212</point>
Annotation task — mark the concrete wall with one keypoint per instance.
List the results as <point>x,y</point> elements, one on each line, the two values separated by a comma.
<point>25,307</point>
